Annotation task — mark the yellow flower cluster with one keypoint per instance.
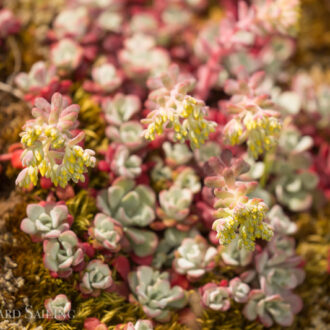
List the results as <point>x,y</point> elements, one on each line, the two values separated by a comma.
<point>30,135</point>
<point>186,118</point>
<point>244,221</point>
<point>50,148</point>
<point>262,134</point>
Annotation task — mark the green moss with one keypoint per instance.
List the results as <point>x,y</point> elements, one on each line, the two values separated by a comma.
<point>91,120</point>
<point>83,208</point>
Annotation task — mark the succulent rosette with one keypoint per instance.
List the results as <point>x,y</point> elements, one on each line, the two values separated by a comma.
<point>295,190</point>
<point>153,291</point>
<point>106,78</point>
<point>175,204</point>
<point>279,273</point>
<point>194,257</point>
<point>141,58</point>
<point>139,325</point>
<point>268,309</point>
<point>186,178</point>
<point>72,23</point>
<point>128,134</point>
<point>128,203</point>
<point>177,154</point>
<point>121,108</point>
<point>125,164</point>
<point>168,245</point>
<point>131,205</point>
<point>233,255</point>
<point>62,254</point>
<point>239,290</point>
<point>46,220</point>
<point>280,221</point>
<point>96,277</point>
<point>9,24</point>
<point>41,80</point>
<point>107,232</point>
<point>215,297</point>
<point>66,55</point>
<point>58,308</point>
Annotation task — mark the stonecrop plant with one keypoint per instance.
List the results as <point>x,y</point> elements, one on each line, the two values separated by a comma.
<point>169,160</point>
<point>51,149</point>
<point>238,215</point>
<point>175,109</point>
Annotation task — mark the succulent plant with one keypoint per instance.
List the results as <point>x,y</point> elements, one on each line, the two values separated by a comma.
<point>291,141</point>
<point>312,88</point>
<point>268,309</point>
<point>105,78</point>
<point>72,23</point>
<point>153,291</point>
<point>38,77</point>
<point>62,254</point>
<point>175,18</point>
<point>96,277</point>
<point>280,221</point>
<point>46,220</point>
<point>172,239</point>
<point>215,297</point>
<point>175,203</point>
<point>124,164</point>
<point>142,242</point>
<point>283,246</point>
<point>278,273</point>
<point>174,108</point>
<point>110,20</point>
<point>239,290</point>
<point>194,257</point>
<point>176,154</point>
<point>127,203</point>
<point>41,81</point>
<point>295,190</point>
<point>186,178</point>
<point>131,205</point>
<point>140,57</point>
<point>8,23</point>
<point>237,214</point>
<point>50,147</point>
<point>129,134</point>
<point>143,22</point>
<point>66,55</point>
<point>278,16</point>
<point>107,232</point>
<point>58,308</point>
<point>120,108</point>
<point>206,151</point>
<point>161,174</point>
<point>233,255</point>
<point>294,184</point>
<point>253,121</point>
<point>140,325</point>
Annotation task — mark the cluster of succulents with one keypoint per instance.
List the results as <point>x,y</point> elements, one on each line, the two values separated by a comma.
<point>175,114</point>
